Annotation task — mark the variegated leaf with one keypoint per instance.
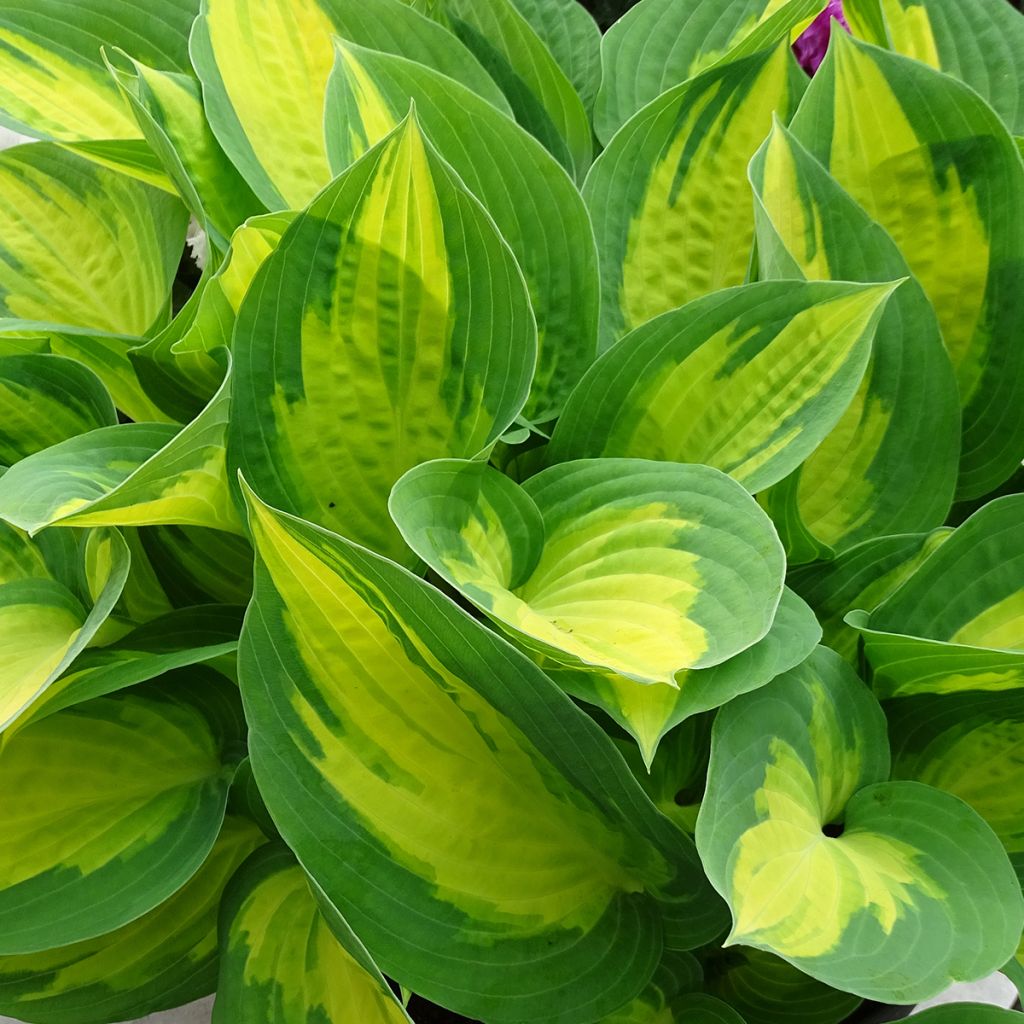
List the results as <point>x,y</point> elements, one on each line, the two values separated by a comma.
<point>887,890</point>
<point>749,380</point>
<point>636,568</point>
<point>931,163</point>
<point>534,204</point>
<point>165,958</point>
<point>669,197</point>
<point>264,65</point>
<point>677,973</point>
<point>412,340</point>
<point>569,877</point>
<point>109,807</point>
<point>889,465</point>
<point>957,623</point>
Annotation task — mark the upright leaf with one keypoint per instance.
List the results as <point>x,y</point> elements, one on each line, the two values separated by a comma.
<point>669,197</point>
<point>931,163</point>
<point>749,380</point>
<point>890,464</point>
<point>264,66</point>
<point>423,771</point>
<point>535,205</point>
<point>412,339</point>
<point>108,808</point>
<point>888,890</point>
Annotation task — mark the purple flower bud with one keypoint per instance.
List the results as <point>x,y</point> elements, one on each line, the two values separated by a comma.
<point>810,48</point>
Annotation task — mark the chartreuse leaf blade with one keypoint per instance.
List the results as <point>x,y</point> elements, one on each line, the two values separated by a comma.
<point>162,959</point>
<point>748,380</point>
<point>861,577</point>
<point>659,44</point>
<point>542,98</point>
<point>674,178</point>
<point>639,568</point>
<point>549,859</point>
<point>915,893</point>
<point>535,205</point>
<point>889,465</point>
<point>765,989</point>
<point>414,339</point>
<point>264,68</point>
<point>957,623</point>
<point>931,163</point>
<point>44,620</point>
<point>980,43</point>
<point>130,474</point>
<point>45,399</point>
<point>280,962</point>
<point>648,711</point>
<point>109,807</point>
<point>50,49</point>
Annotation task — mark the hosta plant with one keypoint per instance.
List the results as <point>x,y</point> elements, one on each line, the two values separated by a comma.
<point>562,557</point>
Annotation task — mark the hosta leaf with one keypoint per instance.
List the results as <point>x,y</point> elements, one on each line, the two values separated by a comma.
<point>648,712</point>
<point>958,622</point>
<point>644,569</point>
<point>700,1008</point>
<point>264,66</point>
<point>45,399</point>
<point>281,963</point>
<point>542,98</point>
<point>378,709</point>
<point>748,380</point>
<point>765,989</point>
<point>534,204</point>
<point>168,107</point>
<point>108,808</point>
<point>44,623</point>
<point>669,197</point>
<point>888,890</point>
<point>130,474</point>
<point>931,163</point>
<point>978,42</point>
<point>969,744</point>
<point>51,50</point>
<point>966,1013</point>
<point>163,959</point>
<point>861,577</point>
<point>413,339</point>
<point>677,973</point>
<point>658,44</point>
<point>569,31</point>
<point>890,464</point>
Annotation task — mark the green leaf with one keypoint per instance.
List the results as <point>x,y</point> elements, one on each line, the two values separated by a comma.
<point>966,1013</point>
<point>890,464</point>
<point>109,807</point>
<point>130,474</point>
<point>677,973</point>
<point>280,961</point>
<point>413,340</point>
<point>45,399</point>
<point>861,577</point>
<point>978,42</point>
<point>659,44</point>
<point>700,1008</point>
<point>44,622</point>
<point>535,205</point>
<point>957,623</point>
<point>378,709</point>
<point>162,959</point>
<point>542,98</point>
<point>749,380</point>
<point>51,50</point>
<point>764,989</point>
<point>644,569</point>
<point>930,162</point>
<point>887,890</point>
<point>264,71</point>
<point>648,712</point>
<point>669,197</point>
